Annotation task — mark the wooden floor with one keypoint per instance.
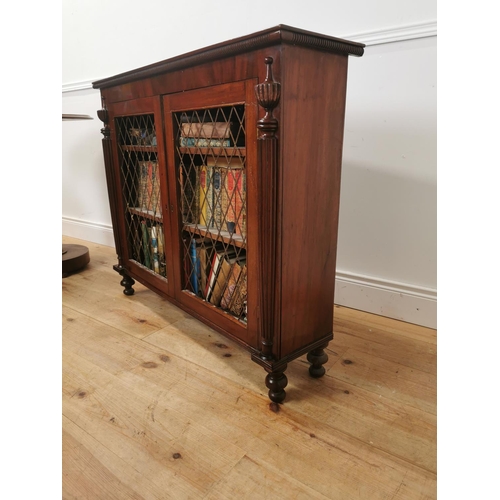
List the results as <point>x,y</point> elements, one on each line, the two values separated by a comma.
<point>157,406</point>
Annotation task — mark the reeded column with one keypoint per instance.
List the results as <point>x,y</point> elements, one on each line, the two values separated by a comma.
<point>268,95</point>
<point>107,147</point>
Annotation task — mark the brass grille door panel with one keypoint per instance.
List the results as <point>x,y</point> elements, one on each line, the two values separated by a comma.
<point>210,153</point>
<point>141,191</point>
<point>209,162</point>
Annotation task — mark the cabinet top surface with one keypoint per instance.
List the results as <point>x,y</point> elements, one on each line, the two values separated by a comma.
<point>271,36</point>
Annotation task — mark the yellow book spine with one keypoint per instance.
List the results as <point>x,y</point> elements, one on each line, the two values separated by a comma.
<point>203,196</point>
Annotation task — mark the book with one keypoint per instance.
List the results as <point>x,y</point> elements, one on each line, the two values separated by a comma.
<point>215,265</point>
<point>217,189</point>
<point>149,186</point>
<point>142,185</point>
<point>153,238</point>
<point>237,305</point>
<point>209,196</point>
<point>227,262</point>
<point>208,130</point>
<point>145,244</point>
<point>232,281</point>
<point>160,239</point>
<point>197,263</point>
<point>205,253</point>
<point>161,250</point>
<point>233,200</point>
<point>203,143</point>
<point>225,197</point>
<point>204,175</point>
<point>216,196</point>
<point>195,267</point>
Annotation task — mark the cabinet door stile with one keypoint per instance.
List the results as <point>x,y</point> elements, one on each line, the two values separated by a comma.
<point>174,196</point>
<point>253,201</point>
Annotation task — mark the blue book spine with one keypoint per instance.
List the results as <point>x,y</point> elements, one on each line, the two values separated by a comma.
<point>194,267</point>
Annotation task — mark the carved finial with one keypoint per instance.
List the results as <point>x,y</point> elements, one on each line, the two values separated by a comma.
<point>269,69</point>
<point>268,96</point>
<point>104,117</point>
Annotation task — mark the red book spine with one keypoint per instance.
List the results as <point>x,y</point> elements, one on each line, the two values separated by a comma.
<point>236,193</point>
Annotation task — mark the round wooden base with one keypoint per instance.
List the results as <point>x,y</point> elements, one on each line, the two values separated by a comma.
<point>74,257</point>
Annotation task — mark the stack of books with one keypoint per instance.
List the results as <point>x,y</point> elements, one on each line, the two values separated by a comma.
<point>203,135</point>
<point>152,245</point>
<point>214,195</point>
<point>218,274</point>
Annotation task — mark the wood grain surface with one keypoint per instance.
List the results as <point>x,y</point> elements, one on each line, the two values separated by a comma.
<point>156,405</point>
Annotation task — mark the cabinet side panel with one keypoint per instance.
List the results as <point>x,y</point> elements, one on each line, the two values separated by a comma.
<point>313,108</point>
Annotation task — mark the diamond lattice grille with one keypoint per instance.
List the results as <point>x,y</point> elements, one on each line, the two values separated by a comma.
<point>211,160</point>
<point>141,191</point>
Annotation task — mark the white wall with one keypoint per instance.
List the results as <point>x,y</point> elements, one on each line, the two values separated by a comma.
<point>387,236</point>
<point>387,226</point>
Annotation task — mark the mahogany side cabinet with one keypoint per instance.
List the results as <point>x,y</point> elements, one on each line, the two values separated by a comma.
<point>223,171</point>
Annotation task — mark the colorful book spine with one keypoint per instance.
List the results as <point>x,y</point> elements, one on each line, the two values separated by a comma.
<point>204,259</point>
<point>160,239</point>
<point>154,248</point>
<point>149,186</point>
<point>235,193</point>
<point>234,275</point>
<point>210,196</point>
<point>142,185</point>
<point>145,244</point>
<point>229,261</point>
<point>218,175</point>
<point>161,250</point>
<point>239,297</point>
<point>212,276</point>
<point>154,186</point>
<point>203,196</point>
<point>195,267</point>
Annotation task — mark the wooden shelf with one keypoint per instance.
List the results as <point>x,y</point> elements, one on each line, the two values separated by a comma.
<point>140,149</point>
<point>147,214</point>
<point>231,239</point>
<point>227,151</point>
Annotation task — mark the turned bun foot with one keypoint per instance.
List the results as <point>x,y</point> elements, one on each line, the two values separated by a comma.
<point>317,357</point>
<point>127,282</point>
<point>276,382</point>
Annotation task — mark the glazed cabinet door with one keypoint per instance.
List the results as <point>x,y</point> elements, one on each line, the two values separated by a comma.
<point>142,206</point>
<point>211,149</point>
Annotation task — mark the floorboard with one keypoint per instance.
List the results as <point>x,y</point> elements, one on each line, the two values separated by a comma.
<point>157,405</point>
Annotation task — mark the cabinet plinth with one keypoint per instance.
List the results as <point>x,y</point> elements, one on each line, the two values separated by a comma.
<point>223,172</point>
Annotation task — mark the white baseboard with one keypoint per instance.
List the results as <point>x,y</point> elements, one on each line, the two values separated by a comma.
<point>88,231</point>
<point>401,301</point>
<point>387,298</point>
